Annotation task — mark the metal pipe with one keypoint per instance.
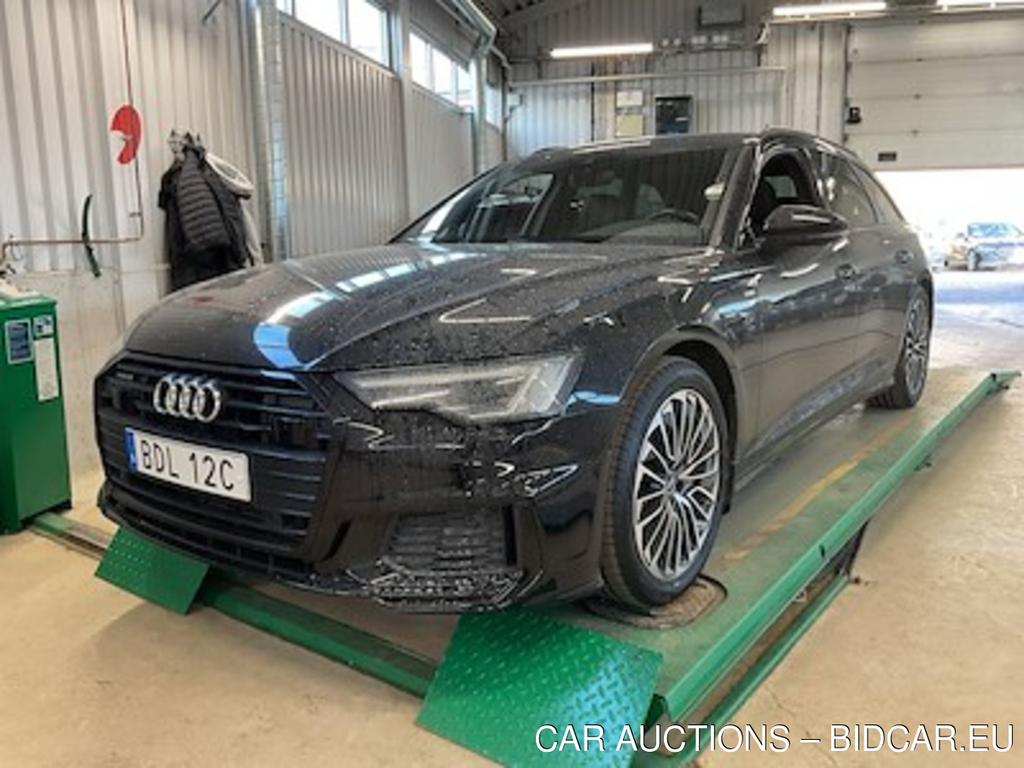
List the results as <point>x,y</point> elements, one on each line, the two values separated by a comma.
<point>478,69</point>
<point>401,32</point>
<point>267,85</point>
<point>484,27</point>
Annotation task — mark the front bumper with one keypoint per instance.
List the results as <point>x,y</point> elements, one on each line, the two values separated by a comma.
<point>405,508</point>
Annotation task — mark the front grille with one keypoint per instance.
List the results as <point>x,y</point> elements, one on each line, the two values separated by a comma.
<point>266,414</point>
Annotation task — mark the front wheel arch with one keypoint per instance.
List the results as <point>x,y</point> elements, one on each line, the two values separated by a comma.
<point>706,349</point>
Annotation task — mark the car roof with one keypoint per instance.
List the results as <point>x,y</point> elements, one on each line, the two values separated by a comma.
<point>668,143</point>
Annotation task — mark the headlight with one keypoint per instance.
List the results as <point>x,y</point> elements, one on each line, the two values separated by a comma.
<point>502,390</point>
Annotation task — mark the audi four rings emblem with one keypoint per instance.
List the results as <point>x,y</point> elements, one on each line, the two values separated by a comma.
<point>195,398</point>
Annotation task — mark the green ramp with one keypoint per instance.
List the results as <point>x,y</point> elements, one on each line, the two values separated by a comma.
<point>144,568</point>
<point>506,674</point>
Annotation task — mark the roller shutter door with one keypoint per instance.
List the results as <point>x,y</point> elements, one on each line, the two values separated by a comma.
<point>938,93</point>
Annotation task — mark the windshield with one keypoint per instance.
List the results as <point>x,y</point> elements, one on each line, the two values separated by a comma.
<point>984,231</point>
<point>604,196</point>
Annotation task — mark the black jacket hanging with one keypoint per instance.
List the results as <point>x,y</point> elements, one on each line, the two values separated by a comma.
<point>205,227</point>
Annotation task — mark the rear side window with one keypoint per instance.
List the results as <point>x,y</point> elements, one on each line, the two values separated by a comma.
<point>883,203</point>
<point>846,195</point>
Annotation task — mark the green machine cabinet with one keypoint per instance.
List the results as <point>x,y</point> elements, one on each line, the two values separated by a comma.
<point>34,473</point>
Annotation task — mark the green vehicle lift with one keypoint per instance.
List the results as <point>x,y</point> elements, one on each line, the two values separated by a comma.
<point>775,568</point>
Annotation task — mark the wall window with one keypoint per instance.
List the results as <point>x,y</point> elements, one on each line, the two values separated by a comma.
<point>360,24</point>
<point>464,87</point>
<point>322,15</point>
<point>420,54</point>
<point>368,30</point>
<point>436,71</point>
<point>443,70</point>
<point>493,98</point>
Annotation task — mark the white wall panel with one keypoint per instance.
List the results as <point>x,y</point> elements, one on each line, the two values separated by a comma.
<point>442,156</point>
<point>550,115</point>
<point>495,147</point>
<point>937,38</point>
<point>344,144</point>
<point>730,93</point>
<point>535,30</point>
<point>62,76</point>
<point>814,59</point>
<point>939,93</point>
<point>940,78</point>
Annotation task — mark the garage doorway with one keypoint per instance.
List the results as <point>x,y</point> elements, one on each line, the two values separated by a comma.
<point>943,203</point>
<point>979,315</point>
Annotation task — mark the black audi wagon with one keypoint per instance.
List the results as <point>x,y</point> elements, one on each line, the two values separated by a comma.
<point>545,387</point>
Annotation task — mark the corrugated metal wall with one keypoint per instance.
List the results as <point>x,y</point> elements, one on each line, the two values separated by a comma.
<point>62,77</point>
<point>930,93</point>
<point>730,93</point>
<point>814,59</point>
<point>495,148</point>
<point>551,115</point>
<point>442,149</point>
<point>536,30</point>
<point>344,144</point>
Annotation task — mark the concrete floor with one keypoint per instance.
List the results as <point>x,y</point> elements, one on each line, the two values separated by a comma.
<point>90,676</point>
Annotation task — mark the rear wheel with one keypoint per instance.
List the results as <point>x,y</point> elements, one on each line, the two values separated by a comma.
<point>912,367</point>
<point>668,485</point>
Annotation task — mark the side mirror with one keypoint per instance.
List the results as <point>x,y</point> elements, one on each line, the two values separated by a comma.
<point>803,221</point>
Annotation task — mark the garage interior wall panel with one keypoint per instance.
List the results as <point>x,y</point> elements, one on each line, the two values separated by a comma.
<point>62,77</point>
<point>536,29</point>
<point>813,57</point>
<point>344,144</point>
<point>494,150</point>
<point>442,149</point>
<point>939,93</point>
<point>730,93</point>
<point>549,115</point>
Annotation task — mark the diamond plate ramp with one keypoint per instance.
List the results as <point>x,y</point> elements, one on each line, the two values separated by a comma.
<point>506,674</point>
<point>152,572</point>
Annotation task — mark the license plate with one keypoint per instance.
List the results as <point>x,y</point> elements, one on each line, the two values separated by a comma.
<point>210,470</point>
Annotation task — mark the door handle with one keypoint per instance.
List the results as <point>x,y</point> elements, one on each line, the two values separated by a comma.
<point>846,272</point>
<point>903,256</point>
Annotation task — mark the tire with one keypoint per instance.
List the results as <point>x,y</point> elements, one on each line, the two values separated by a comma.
<point>973,261</point>
<point>912,367</point>
<point>657,540</point>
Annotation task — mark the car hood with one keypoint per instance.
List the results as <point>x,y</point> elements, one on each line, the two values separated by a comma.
<point>402,304</point>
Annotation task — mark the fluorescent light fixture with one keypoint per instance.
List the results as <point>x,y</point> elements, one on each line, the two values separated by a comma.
<point>977,3</point>
<point>826,9</point>
<point>592,51</point>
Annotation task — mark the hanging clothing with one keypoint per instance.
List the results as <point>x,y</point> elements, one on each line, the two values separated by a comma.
<point>240,186</point>
<point>205,226</point>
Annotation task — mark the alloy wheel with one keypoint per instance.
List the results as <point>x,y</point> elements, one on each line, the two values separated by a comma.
<point>677,484</point>
<point>916,347</point>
